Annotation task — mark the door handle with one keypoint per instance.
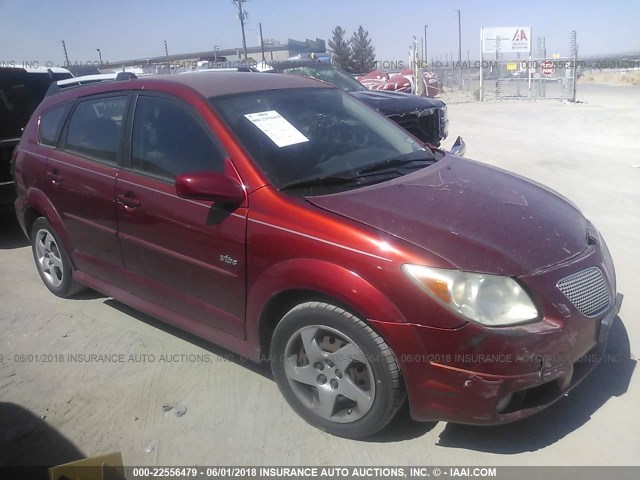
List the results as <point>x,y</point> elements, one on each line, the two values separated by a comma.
<point>127,201</point>
<point>54,177</point>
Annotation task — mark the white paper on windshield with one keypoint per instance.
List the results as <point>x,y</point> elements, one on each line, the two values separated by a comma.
<point>277,128</point>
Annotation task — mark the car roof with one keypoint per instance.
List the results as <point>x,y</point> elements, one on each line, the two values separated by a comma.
<point>216,84</point>
<point>206,83</point>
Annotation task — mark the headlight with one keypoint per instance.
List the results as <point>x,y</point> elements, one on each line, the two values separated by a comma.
<point>491,300</point>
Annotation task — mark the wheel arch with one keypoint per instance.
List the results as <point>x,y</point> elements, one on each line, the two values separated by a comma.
<point>280,304</point>
<point>38,205</point>
<point>31,214</point>
<point>287,284</point>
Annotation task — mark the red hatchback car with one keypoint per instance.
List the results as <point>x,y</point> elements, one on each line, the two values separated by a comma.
<point>281,218</point>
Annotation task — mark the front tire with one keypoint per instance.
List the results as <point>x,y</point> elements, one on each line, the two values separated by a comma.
<point>335,371</point>
<point>52,261</point>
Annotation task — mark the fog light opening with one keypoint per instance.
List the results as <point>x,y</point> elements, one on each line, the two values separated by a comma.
<point>504,403</point>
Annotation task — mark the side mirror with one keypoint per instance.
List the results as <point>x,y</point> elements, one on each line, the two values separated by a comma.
<point>459,148</point>
<point>209,186</point>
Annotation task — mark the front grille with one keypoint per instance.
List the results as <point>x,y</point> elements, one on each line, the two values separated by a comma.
<point>587,291</point>
<point>425,127</point>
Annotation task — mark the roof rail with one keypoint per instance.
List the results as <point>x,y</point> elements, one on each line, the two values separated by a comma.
<point>57,87</point>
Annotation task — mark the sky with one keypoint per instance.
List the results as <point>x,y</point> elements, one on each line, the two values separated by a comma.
<point>127,29</point>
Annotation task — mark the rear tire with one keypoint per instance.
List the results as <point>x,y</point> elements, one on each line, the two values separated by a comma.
<point>335,371</point>
<point>52,261</point>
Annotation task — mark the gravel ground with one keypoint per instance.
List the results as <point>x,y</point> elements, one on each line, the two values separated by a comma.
<point>57,408</point>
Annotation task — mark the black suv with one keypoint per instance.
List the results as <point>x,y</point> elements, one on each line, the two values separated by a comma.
<point>21,91</point>
<point>425,118</point>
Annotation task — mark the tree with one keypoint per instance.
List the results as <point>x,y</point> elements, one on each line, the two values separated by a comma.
<point>341,49</point>
<point>363,56</point>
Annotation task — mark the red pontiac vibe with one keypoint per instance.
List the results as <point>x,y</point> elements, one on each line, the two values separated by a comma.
<point>283,219</point>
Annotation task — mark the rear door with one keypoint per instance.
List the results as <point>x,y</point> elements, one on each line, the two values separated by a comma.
<point>187,256</point>
<point>81,175</point>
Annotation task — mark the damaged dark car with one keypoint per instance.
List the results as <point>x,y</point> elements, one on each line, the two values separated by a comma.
<point>425,118</point>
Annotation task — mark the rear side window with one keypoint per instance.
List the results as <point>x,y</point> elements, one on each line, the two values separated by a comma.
<point>95,128</point>
<point>168,141</point>
<point>51,123</point>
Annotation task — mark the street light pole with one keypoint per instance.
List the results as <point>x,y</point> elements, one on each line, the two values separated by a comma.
<point>99,55</point>
<point>261,43</point>
<point>459,47</point>
<point>424,54</point>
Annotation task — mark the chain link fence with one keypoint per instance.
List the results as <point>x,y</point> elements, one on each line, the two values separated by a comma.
<point>536,77</point>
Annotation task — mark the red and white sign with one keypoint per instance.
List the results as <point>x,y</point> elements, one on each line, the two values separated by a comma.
<point>506,39</point>
<point>547,68</point>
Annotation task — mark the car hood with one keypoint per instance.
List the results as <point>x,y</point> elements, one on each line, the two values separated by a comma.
<point>393,103</point>
<point>477,217</point>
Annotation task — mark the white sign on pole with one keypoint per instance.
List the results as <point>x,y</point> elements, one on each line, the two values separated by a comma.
<point>512,39</point>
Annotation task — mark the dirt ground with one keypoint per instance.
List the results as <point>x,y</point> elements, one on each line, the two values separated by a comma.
<point>55,407</point>
<point>606,77</point>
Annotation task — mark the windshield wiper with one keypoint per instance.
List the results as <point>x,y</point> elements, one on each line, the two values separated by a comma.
<point>397,161</point>
<point>314,182</point>
<point>374,170</point>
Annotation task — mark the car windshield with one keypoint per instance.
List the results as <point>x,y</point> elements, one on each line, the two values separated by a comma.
<point>298,135</point>
<point>327,74</point>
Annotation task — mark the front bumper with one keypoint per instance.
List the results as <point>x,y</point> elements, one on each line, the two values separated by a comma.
<point>530,369</point>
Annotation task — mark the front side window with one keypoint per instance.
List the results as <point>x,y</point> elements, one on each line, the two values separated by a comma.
<point>51,123</point>
<point>95,128</point>
<point>168,141</point>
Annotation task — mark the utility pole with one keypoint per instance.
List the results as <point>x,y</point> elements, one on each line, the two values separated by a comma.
<point>166,49</point>
<point>261,42</point>
<point>460,47</point>
<point>241,15</point>
<point>66,56</point>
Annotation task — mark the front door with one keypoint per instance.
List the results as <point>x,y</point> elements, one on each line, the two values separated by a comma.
<point>187,256</point>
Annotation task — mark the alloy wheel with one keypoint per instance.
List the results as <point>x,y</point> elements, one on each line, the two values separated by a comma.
<point>329,374</point>
<point>49,258</point>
